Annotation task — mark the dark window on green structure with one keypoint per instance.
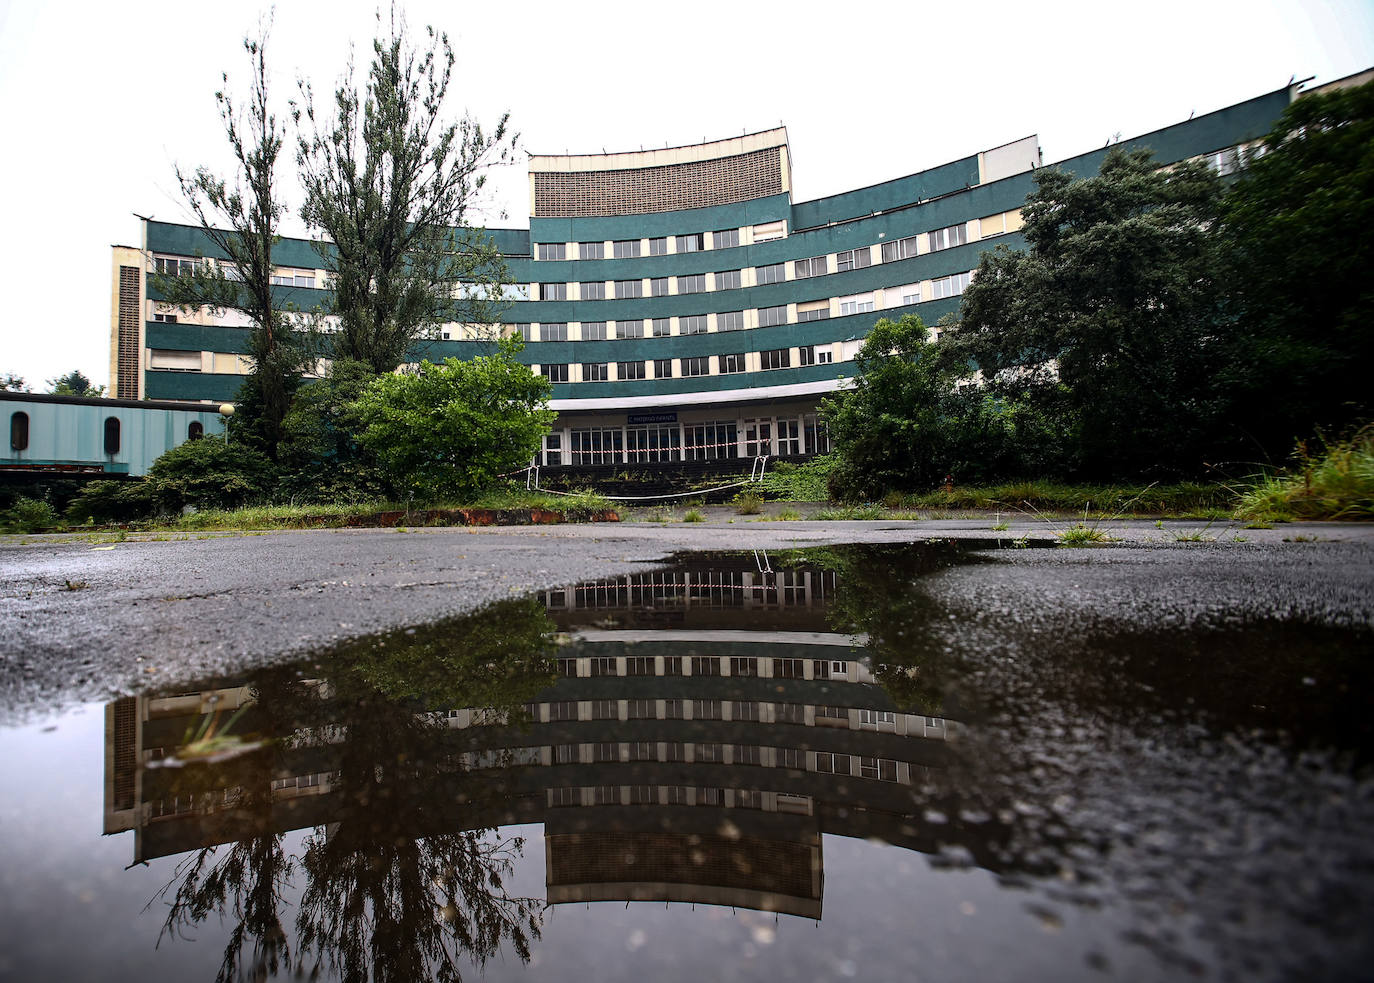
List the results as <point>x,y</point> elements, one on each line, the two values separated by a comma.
<point>658,286</point>
<point>595,290</point>
<point>19,431</point>
<point>663,368</point>
<point>195,431</point>
<point>725,238</point>
<point>727,280</point>
<point>769,316</point>
<point>629,329</point>
<point>691,243</point>
<point>659,246</point>
<point>590,250</point>
<point>731,363</point>
<point>769,274</point>
<point>112,435</point>
<point>626,248</point>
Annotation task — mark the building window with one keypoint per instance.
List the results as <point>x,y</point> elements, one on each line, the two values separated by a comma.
<point>813,310</point>
<point>563,710</point>
<point>165,318</point>
<point>858,304</point>
<point>593,330</point>
<point>659,246</point>
<point>693,243</point>
<point>769,316</point>
<point>709,441</point>
<point>695,324</point>
<point>625,371</point>
<point>777,358</point>
<point>747,754</point>
<point>658,286</point>
<point>725,238</point>
<point>663,368</point>
<point>730,321</point>
<point>625,248</point>
<point>523,330</point>
<point>629,329</point>
<point>768,231</point>
<point>294,278</point>
<point>663,327</point>
<point>853,259</point>
<point>902,296</point>
<point>809,267</point>
<point>789,436</point>
<point>899,249</point>
<point>744,666</point>
<point>594,291</point>
<point>111,435</point>
<point>693,367</point>
<point>728,280</point>
<point>806,355</point>
<point>730,364</point>
<point>596,445</point>
<point>639,665</point>
<point>817,439</point>
<point>775,273</point>
<point>705,665</point>
<point>553,331</point>
<point>195,430</point>
<point>553,450</point>
<point>948,237</point>
<point>789,713</point>
<point>788,669</point>
<point>19,431</point>
<point>648,445</point>
<point>949,286</point>
<point>555,373</point>
<point>596,372</point>
<point>565,754</point>
<point>591,250</point>
<point>174,267</point>
<point>553,291</point>
<point>628,288</point>
<point>693,284</point>
<point>551,250</point>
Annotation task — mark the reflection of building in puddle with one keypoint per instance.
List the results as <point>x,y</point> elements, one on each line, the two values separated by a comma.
<point>697,761</point>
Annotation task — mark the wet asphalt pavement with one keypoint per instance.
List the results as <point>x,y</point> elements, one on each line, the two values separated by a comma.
<point>84,620</point>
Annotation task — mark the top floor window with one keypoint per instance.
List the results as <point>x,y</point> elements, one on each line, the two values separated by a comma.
<point>551,250</point>
<point>770,230</point>
<point>693,243</point>
<point>590,250</point>
<point>626,248</point>
<point>174,267</point>
<point>725,238</point>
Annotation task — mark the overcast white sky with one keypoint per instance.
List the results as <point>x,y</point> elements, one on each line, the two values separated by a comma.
<point>99,100</point>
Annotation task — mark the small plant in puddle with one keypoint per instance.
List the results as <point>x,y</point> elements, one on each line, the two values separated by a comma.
<point>1082,535</point>
<point>693,516</point>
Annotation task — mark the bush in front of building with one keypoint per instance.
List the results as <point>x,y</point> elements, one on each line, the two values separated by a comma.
<point>211,474</point>
<point>113,501</point>
<point>451,430</point>
<point>28,515</point>
<point>320,450</point>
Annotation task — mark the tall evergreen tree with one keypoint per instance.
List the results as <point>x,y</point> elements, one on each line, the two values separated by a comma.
<point>388,182</point>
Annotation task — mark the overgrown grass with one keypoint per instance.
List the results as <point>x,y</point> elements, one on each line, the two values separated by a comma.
<point>692,515</point>
<point>748,503</point>
<point>1082,535</point>
<point>805,482</point>
<point>1337,482</point>
<point>850,513</point>
<point>1189,499</point>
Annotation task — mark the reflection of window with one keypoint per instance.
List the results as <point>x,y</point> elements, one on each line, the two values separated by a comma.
<point>663,327</point>
<point>705,665</point>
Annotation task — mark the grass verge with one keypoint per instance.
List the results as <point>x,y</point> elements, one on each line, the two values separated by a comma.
<point>1337,482</point>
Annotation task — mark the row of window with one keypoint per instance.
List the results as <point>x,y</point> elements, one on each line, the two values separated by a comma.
<point>689,367</point>
<point>720,439</point>
<point>946,238</point>
<point>647,708</point>
<point>706,665</point>
<point>705,752</point>
<point>19,432</point>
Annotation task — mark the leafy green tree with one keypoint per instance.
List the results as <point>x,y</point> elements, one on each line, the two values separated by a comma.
<point>9,382</point>
<point>320,449</point>
<point>74,383</point>
<point>1296,245</point>
<point>1108,323</point>
<point>240,217</point>
<point>897,427</point>
<point>451,429</point>
<point>388,181</point>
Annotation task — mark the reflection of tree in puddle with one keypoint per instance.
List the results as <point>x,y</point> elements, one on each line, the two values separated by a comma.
<point>395,886</point>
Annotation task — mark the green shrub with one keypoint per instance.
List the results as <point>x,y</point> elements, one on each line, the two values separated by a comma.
<point>693,516</point>
<point>29,515</point>
<point>113,501</point>
<point>1335,483</point>
<point>211,474</point>
<point>748,503</point>
<point>805,482</point>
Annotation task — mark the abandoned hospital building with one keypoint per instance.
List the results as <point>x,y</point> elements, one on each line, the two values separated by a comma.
<point>682,305</point>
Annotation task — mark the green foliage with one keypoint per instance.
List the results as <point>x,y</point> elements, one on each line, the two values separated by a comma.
<point>452,429</point>
<point>9,382</point>
<point>240,217</point>
<point>388,181</point>
<point>805,482</point>
<point>1183,498</point>
<point>1336,482</point>
<point>211,474</point>
<point>692,515</point>
<point>852,513</point>
<point>1105,328</point>
<point>28,515</point>
<point>74,383</point>
<point>1296,248</point>
<point>1082,535</point>
<point>320,447</point>
<point>748,503</point>
<point>113,501</point>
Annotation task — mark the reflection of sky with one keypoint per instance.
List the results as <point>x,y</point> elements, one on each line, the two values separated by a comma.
<point>70,911</point>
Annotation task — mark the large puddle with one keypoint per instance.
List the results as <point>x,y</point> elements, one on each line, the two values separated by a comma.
<point>758,766</point>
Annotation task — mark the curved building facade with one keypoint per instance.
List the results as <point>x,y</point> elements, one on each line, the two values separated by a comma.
<point>683,306</point>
